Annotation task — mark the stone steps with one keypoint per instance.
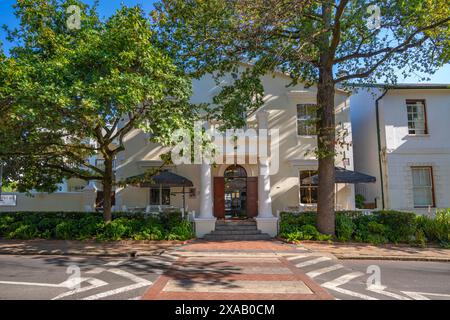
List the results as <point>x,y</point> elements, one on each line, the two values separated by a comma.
<point>225,232</point>
<point>242,237</point>
<point>236,230</point>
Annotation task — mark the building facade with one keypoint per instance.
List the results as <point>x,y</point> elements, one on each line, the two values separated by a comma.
<point>402,137</point>
<point>241,186</point>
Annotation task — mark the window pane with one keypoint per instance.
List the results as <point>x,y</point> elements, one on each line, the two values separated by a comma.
<point>306,114</point>
<point>416,117</point>
<point>308,191</point>
<point>422,187</point>
<point>166,196</point>
<point>154,196</point>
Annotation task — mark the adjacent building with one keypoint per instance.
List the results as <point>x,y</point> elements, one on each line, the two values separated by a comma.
<point>401,135</point>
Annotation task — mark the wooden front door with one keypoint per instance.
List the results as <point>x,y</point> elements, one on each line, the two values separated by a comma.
<point>252,197</point>
<point>219,197</point>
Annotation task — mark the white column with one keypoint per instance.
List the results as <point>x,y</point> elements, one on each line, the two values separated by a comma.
<point>264,199</point>
<point>265,220</point>
<point>206,206</point>
<point>206,222</point>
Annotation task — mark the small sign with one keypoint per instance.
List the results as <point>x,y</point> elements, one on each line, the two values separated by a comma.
<point>8,200</point>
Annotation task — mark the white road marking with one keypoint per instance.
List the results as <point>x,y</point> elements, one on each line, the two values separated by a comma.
<point>140,282</point>
<point>95,283</point>
<point>318,272</point>
<point>158,261</point>
<point>65,284</point>
<point>115,291</point>
<point>95,270</point>
<point>299,256</point>
<point>381,290</point>
<point>311,262</point>
<point>422,295</point>
<point>115,263</point>
<point>334,285</point>
<point>52,285</point>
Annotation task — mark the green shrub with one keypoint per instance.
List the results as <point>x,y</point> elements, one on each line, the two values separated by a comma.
<point>23,231</point>
<point>344,227</point>
<point>420,239</point>
<point>66,230</point>
<point>400,226</point>
<point>376,228</point>
<point>377,239</point>
<point>82,226</point>
<point>290,222</point>
<point>359,201</point>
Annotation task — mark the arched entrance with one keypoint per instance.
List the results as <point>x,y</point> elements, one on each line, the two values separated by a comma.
<point>235,179</point>
<point>235,194</point>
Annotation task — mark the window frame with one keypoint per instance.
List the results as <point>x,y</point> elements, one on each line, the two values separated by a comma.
<point>309,186</point>
<point>433,196</point>
<point>425,117</point>
<point>313,134</point>
<point>160,196</point>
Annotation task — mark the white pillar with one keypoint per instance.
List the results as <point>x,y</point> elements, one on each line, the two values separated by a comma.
<point>206,222</point>
<point>265,220</point>
<point>206,206</point>
<point>264,199</point>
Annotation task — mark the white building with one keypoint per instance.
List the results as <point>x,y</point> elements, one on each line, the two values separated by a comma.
<point>401,136</point>
<point>242,187</point>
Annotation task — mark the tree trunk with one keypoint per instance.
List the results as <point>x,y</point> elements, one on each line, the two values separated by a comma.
<point>326,136</point>
<point>107,190</point>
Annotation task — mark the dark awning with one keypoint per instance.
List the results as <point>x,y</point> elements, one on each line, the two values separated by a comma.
<point>163,179</point>
<point>343,176</point>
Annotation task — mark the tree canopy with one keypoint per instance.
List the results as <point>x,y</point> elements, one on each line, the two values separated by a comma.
<point>324,42</point>
<point>73,93</point>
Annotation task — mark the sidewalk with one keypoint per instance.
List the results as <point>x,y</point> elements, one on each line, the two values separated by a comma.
<point>386,252</point>
<point>86,248</point>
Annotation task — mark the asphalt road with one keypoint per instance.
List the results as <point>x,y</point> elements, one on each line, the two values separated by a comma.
<point>56,277</point>
<point>71,277</point>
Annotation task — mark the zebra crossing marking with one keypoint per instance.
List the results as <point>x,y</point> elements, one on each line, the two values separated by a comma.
<point>381,290</point>
<point>139,282</point>
<point>298,256</point>
<point>334,285</point>
<point>318,272</point>
<point>311,262</point>
<point>422,295</point>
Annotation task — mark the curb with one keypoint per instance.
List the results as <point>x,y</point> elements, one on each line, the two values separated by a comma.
<point>130,254</point>
<point>392,258</point>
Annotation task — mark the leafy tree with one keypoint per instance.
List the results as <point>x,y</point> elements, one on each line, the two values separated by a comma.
<point>82,89</point>
<point>326,42</point>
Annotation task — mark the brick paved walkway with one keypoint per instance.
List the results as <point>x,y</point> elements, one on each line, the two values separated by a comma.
<point>235,270</point>
<point>86,248</point>
<point>386,252</point>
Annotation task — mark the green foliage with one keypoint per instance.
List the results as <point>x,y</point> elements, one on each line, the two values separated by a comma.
<point>359,201</point>
<point>401,226</point>
<point>83,226</point>
<point>377,228</point>
<point>436,229</point>
<point>295,227</point>
<point>61,90</point>
<point>344,227</point>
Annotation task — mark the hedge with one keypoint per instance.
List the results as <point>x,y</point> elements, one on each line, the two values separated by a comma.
<point>82,226</point>
<point>377,228</point>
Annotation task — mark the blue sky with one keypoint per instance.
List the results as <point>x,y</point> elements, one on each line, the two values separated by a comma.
<point>107,7</point>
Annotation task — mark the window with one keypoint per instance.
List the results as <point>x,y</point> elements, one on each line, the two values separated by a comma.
<point>160,196</point>
<point>308,191</point>
<point>423,190</point>
<point>306,116</point>
<point>417,117</point>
